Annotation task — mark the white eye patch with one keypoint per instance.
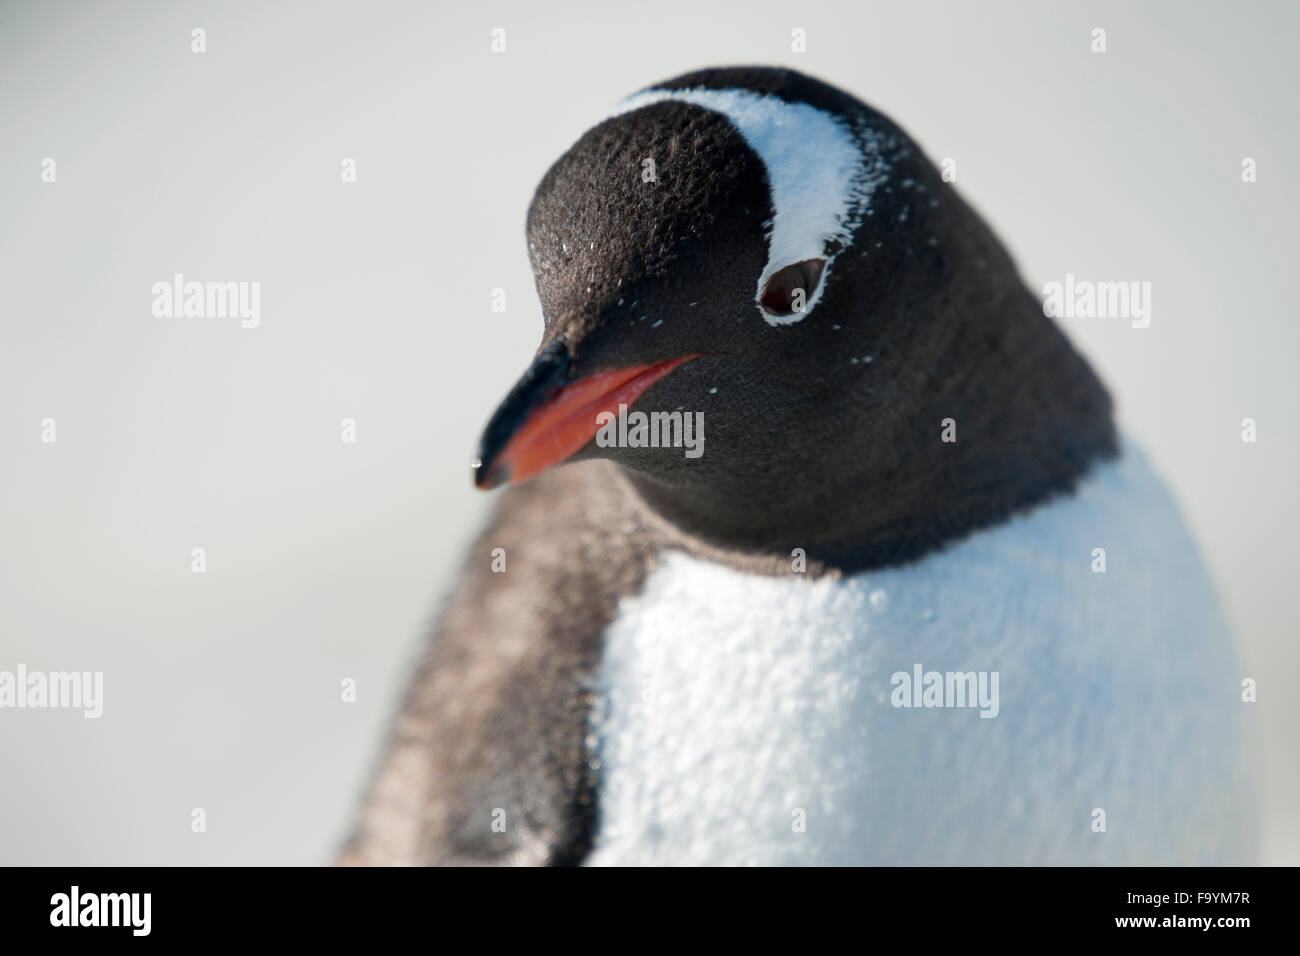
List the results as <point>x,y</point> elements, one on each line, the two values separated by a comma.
<point>821,173</point>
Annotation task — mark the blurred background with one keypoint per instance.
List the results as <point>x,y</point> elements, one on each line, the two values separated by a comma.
<point>326,561</point>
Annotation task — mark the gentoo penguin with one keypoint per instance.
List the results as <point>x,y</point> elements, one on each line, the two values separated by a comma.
<point>906,598</point>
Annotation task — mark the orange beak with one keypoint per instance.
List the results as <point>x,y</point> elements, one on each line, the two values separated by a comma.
<point>545,421</point>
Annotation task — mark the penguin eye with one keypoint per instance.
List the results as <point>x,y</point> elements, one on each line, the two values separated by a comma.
<point>791,289</point>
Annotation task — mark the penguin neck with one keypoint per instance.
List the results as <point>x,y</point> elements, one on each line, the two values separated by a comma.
<point>1009,415</point>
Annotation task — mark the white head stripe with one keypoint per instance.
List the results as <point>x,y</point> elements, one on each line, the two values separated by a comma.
<point>820,176</point>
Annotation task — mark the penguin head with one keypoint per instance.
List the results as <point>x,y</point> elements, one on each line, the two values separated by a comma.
<point>765,254</point>
<point>707,248</point>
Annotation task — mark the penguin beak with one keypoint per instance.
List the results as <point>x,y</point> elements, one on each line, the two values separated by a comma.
<point>546,419</point>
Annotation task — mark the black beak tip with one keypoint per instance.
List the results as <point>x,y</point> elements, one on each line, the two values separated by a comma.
<point>488,475</point>
<point>542,378</point>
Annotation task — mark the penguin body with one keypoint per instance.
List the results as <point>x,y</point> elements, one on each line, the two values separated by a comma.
<point>767,652</point>
<point>751,719</point>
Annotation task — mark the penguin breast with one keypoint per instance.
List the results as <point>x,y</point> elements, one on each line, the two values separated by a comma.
<point>783,720</point>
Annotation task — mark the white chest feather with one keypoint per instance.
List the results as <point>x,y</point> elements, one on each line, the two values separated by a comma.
<point>749,719</point>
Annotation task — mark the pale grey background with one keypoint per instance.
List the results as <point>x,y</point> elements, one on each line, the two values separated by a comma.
<point>327,560</point>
